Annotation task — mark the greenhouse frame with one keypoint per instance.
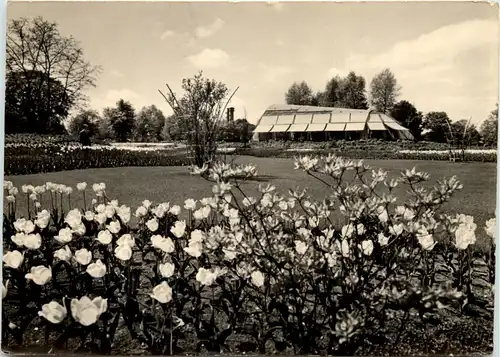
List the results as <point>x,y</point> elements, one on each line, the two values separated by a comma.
<point>297,122</point>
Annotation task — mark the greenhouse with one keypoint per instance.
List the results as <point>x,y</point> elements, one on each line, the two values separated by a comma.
<point>296,122</point>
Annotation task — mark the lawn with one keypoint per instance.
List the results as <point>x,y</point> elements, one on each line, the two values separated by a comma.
<point>131,185</point>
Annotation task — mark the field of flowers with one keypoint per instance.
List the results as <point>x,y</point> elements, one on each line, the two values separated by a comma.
<point>22,159</point>
<point>265,273</point>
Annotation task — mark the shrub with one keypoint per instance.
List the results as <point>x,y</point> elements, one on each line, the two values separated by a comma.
<point>274,269</point>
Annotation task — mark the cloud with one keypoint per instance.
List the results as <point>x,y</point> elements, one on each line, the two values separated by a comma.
<point>209,58</point>
<point>273,73</point>
<point>116,73</point>
<point>166,34</point>
<point>453,67</point>
<point>209,30</point>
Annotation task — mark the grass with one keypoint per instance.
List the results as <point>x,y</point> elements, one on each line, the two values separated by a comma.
<point>131,185</point>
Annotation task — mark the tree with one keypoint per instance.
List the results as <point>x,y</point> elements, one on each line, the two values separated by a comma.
<point>299,94</point>
<point>121,120</point>
<point>200,111</point>
<point>489,129</point>
<point>384,91</point>
<point>172,129</point>
<point>352,92</point>
<point>49,69</point>
<point>149,124</point>
<point>330,97</point>
<point>405,113</point>
<point>26,95</point>
<point>465,134</point>
<point>437,127</point>
<point>90,118</point>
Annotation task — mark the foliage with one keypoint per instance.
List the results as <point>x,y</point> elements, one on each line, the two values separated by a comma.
<point>173,129</point>
<point>384,91</point>
<point>121,120</point>
<point>465,134</point>
<point>330,96</point>
<point>352,92</point>
<point>239,130</point>
<point>149,124</point>
<point>199,112</point>
<point>50,71</point>
<point>89,118</point>
<point>272,268</point>
<point>489,129</point>
<point>34,103</point>
<point>299,93</point>
<point>437,126</point>
<point>405,113</point>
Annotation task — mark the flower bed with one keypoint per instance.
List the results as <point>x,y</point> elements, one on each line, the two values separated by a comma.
<point>248,274</point>
<point>371,153</point>
<point>49,158</point>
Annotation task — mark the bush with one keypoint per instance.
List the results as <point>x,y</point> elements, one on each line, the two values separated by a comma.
<point>274,270</point>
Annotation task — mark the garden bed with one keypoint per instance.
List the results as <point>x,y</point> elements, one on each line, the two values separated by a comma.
<point>269,275</point>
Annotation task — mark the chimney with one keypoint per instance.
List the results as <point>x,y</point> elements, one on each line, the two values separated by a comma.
<point>230,114</point>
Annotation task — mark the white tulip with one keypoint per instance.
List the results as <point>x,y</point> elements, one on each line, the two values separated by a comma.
<point>123,252</point>
<point>141,212</point>
<point>109,211</point>
<point>100,218</point>
<point>65,236</point>
<point>257,278</point>
<point>165,244</point>
<point>166,270</point>
<point>104,237</point>
<point>124,213</point>
<point>86,311</point>
<point>162,292</point>
<point>19,239</point>
<point>114,227</point>
<point>79,229</point>
<point>81,186</point>
<point>40,275</point>
<point>190,204</point>
<point>53,312</point>
<point>126,239</point>
<point>33,241</point>
<point>175,210</point>
<point>178,229</point>
<point>63,254</point>
<point>367,247</point>
<point>97,269</point>
<point>194,249</point>
<point>42,219</point>
<point>13,259</point>
<point>152,224</point>
<point>73,218</point>
<point>83,256</point>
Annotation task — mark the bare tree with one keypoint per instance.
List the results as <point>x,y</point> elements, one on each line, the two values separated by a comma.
<point>200,111</point>
<point>39,55</point>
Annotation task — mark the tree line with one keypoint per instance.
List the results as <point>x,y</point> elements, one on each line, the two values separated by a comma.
<point>123,123</point>
<point>383,94</point>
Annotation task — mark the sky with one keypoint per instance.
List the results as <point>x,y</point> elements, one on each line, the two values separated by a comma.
<point>443,54</point>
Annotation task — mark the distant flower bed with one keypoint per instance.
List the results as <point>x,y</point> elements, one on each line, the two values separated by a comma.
<point>372,153</point>
<point>23,160</point>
